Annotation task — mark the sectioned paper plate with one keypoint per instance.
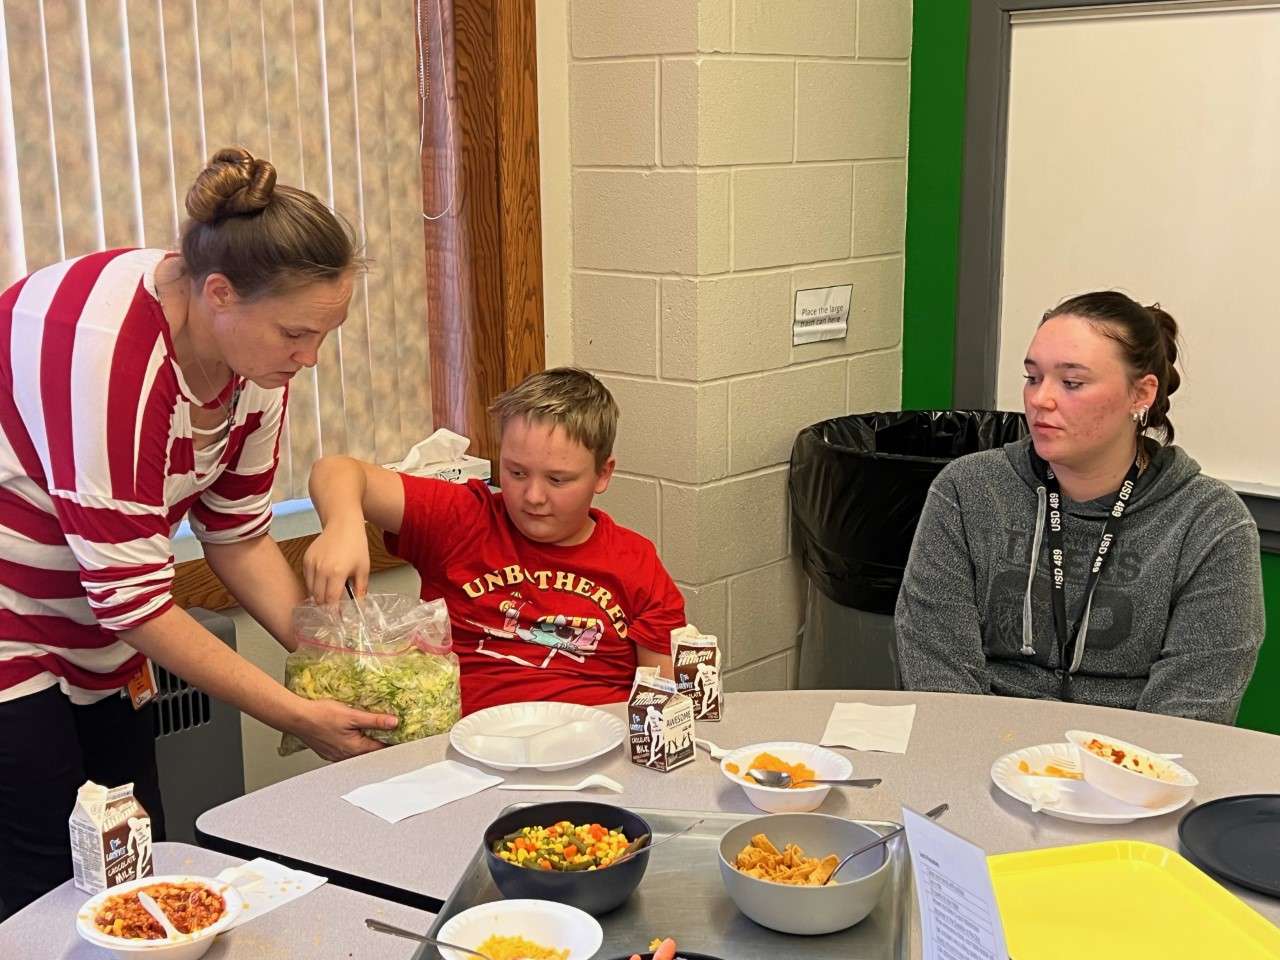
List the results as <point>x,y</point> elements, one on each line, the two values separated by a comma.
<point>1122,900</point>
<point>1077,800</point>
<point>536,736</point>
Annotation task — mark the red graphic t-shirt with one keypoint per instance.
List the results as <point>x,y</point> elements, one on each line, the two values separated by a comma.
<point>534,621</point>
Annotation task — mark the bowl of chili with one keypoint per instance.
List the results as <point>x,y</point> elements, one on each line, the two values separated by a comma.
<point>199,907</point>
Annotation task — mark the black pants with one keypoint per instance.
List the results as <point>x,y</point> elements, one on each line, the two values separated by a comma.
<point>48,748</point>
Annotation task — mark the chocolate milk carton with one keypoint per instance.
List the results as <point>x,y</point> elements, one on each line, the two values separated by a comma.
<point>659,722</point>
<point>696,657</point>
<point>110,837</point>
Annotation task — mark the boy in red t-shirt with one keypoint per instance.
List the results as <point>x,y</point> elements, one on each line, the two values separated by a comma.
<point>548,597</point>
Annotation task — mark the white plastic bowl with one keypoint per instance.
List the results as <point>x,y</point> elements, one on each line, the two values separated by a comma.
<point>825,763</point>
<point>554,925</point>
<point>1129,785</point>
<point>189,947</point>
<point>808,911</point>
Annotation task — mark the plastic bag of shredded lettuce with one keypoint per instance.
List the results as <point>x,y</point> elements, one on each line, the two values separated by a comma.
<point>395,659</point>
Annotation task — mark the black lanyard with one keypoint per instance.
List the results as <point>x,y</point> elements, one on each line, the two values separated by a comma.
<point>1067,638</point>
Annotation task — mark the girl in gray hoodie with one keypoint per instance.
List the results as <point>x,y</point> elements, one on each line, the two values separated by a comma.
<point>1090,562</point>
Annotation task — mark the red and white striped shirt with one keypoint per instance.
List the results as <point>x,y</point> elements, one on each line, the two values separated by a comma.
<point>98,468</point>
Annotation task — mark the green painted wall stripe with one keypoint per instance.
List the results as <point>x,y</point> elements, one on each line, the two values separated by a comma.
<point>935,160</point>
<point>935,164</point>
<point>1261,707</point>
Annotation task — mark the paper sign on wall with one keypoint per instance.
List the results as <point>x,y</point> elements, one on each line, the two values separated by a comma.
<point>959,919</point>
<point>822,313</point>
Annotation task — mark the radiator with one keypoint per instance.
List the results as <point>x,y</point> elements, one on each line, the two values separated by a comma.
<point>198,747</point>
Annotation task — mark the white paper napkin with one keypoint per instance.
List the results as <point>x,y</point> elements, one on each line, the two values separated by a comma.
<point>1040,793</point>
<point>864,727</point>
<point>265,885</point>
<point>420,790</point>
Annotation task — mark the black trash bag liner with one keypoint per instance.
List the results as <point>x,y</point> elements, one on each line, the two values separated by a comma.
<point>858,485</point>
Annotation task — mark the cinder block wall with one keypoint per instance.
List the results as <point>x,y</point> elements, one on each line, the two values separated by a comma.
<point>720,155</point>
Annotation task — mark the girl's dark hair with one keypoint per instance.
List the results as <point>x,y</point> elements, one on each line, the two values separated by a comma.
<point>267,239</point>
<point>1148,339</point>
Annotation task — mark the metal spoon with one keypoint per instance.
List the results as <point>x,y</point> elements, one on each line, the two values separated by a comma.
<point>153,908</point>
<point>933,814</point>
<point>381,927</point>
<point>779,778</point>
<point>635,847</point>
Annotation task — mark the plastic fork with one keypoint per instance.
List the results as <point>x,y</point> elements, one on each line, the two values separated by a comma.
<point>586,783</point>
<point>717,753</point>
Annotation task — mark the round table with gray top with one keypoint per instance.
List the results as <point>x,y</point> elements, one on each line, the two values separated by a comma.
<point>954,741</point>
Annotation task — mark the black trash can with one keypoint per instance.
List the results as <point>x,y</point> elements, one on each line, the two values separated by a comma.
<point>857,487</point>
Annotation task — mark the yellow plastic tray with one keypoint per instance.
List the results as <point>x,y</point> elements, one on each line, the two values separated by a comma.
<point>1122,899</point>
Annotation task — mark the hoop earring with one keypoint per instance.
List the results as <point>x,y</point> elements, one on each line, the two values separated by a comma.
<point>1139,417</point>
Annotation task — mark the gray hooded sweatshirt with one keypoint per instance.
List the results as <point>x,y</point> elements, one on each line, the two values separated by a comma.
<point>1176,620</point>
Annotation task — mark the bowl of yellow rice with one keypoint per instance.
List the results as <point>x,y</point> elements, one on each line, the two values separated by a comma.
<point>565,852</point>
<point>522,930</point>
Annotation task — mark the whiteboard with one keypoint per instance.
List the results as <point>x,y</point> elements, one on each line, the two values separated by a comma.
<point>1144,155</point>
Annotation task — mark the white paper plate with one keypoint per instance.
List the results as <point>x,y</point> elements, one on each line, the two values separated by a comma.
<point>1078,801</point>
<point>536,736</point>
<point>554,925</point>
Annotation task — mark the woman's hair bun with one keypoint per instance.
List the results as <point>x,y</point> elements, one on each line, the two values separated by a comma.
<point>235,183</point>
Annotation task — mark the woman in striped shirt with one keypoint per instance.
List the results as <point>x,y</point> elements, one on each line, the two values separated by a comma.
<point>137,388</point>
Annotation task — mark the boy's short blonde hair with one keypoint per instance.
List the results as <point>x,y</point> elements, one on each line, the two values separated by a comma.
<point>569,398</point>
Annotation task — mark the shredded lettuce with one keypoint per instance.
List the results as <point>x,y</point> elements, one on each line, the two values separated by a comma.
<point>419,688</point>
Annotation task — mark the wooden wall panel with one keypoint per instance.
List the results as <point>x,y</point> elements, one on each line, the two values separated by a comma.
<point>520,208</point>
<point>480,178</point>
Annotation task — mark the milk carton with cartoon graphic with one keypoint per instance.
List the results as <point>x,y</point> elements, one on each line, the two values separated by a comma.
<point>659,722</point>
<point>696,657</point>
<point>110,837</point>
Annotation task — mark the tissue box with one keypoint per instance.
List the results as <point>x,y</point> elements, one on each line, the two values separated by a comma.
<point>455,471</point>
<point>443,456</point>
